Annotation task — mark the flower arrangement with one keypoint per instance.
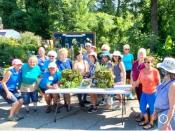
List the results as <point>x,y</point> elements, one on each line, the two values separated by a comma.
<point>104,78</point>
<point>70,78</point>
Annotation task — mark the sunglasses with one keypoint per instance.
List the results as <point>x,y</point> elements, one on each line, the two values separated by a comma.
<point>51,56</point>
<point>148,62</point>
<point>126,49</point>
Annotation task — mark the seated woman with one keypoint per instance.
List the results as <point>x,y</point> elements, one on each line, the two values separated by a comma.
<point>8,89</point>
<point>50,81</point>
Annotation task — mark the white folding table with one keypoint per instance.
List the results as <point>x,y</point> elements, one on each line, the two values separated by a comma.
<point>118,89</point>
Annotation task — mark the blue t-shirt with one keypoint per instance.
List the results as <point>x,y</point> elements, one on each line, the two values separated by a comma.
<point>48,79</point>
<point>64,65</point>
<point>41,64</point>
<point>128,61</point>
<point>30,75</point>
<point>13,81</point>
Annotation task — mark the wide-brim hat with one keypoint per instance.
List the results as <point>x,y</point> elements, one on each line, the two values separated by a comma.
<point>93,54</point>
<point>117,53</point>
<point>168,64</point>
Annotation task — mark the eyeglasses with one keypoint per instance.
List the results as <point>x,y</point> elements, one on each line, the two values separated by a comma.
<point>126,49</point>
<point>51,56</point>
<point>148,62</point>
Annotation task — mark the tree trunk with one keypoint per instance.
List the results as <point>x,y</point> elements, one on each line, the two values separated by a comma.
<point>154,16</point>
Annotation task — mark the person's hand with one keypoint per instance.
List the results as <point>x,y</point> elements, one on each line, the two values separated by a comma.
<point>55,86</point>
<point>9,95</point>
<point>165,127</point>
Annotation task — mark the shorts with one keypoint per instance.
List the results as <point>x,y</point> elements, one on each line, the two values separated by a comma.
<point>16,96</point>
<point>128,74</point>
<point>27,96</point>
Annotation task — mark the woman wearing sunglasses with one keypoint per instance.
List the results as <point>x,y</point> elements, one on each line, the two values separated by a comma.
<point>149,78</point>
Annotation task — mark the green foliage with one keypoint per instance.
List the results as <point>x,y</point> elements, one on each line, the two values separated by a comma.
<point>70,78</point>
<point>104,77</point>
<point>11,48</point>
<point>115,21</point>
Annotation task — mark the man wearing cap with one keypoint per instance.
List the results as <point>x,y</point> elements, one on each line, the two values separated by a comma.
<point>165,100</point>
<point>50,81</point>
<point>8,89</point>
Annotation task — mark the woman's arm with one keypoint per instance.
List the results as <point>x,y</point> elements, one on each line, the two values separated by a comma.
<point>171,110</point>
<point>123,72</point>
<point>75,66</point>
<point>4,81</point>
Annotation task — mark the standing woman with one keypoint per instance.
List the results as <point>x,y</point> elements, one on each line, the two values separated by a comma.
<point>165,101</point>
<point>41,59</point>
<point>118,71</point>
<point>64,63</point>
<point>149,78</point>
<point>128,60</point>
<point>52,55</point>
<point>30,72</point>
<point>8,89</point>
<point>138,65</point>
<point>93,66</point>
<point>83,67</point>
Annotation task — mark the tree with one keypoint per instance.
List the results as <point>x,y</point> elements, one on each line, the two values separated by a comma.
<point>154,16</point>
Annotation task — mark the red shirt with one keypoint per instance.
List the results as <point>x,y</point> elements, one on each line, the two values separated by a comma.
<point>136,68</point>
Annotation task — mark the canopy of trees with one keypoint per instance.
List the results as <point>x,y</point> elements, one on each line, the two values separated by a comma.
<point>141,23</point>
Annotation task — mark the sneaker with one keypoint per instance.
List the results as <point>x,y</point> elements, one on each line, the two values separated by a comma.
<point>12,118</point>
<point>92,110</point>
<point>19,117</point>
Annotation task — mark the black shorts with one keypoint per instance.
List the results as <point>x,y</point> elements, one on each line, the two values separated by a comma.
<point>128,74</point>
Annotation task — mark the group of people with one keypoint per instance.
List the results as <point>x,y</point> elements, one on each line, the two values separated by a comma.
<point>22,82</point>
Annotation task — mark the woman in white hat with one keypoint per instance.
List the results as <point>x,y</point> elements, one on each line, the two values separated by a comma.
<point>50,81</point>
<point>52,55</point>
<point>165,101</point>
<point>118,70</point>
<point>93,66</point>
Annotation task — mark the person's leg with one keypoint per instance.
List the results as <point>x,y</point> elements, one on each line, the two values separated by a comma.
<point>151,100</point>
<point>143,104</point>
<point>67,99</point>
<point>80,100</point>
<point>34,97</point>
<point>26,99</point>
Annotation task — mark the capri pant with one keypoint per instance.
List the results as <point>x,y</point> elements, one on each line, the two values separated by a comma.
<point>30,95</point>
<point>147,99</point>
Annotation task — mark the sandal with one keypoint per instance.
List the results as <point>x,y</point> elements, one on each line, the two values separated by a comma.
<point>138,119</point>
<point>148,126</point>
<point>142,123</point>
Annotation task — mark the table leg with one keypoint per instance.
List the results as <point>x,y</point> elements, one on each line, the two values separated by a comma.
<point>122,107</point>
<point>56,110</point>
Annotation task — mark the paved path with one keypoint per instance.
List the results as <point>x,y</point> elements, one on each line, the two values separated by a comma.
<point>76,119</point>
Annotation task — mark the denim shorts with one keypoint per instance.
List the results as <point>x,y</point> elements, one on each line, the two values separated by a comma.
<point>15,97</point>
<point>27,96</point>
